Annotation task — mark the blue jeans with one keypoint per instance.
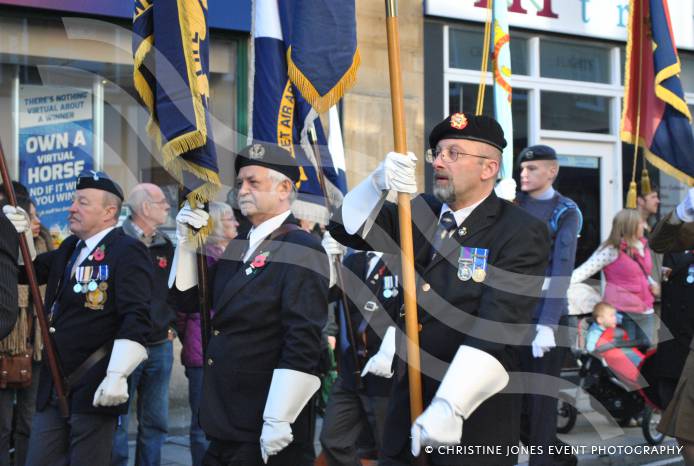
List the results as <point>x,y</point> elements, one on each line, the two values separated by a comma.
<point>198,441</point>
<point>151,383</point>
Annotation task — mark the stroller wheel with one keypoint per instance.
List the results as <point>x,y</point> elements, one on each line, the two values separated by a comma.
<point>648,425</point>
<point>566,416</point>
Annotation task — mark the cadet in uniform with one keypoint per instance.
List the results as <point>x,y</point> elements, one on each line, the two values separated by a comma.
<point>269,294</point>
<point>98,292</point>
<point>539,168</point>
<point>480,263</point>
<point>359,401</point>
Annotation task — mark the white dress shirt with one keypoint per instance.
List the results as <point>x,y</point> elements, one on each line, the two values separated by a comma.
<point>260,232</point>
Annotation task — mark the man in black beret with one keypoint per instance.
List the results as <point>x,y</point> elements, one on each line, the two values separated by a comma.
<point>98,293</point>
<point>480,263</point>
<point>270,296</point>
<point>539,168</point>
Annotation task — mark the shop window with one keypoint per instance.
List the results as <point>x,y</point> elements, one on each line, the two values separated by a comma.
<point>577,62</point>
<point>465,50</point>
<point>575,112</point>
<point>462,97</point>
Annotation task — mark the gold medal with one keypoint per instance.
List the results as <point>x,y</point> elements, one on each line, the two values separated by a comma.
<point>478,275</point>
<point>103,286</point>
<point>96,299</point>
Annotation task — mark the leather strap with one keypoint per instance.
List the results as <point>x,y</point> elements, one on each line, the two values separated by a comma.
<point>88,363</point>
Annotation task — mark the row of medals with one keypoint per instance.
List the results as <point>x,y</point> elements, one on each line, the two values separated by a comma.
<point>466,272</point>
<point>87,282</point>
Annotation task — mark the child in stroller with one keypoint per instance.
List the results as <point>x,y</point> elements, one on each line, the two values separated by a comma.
<point>615,373</point>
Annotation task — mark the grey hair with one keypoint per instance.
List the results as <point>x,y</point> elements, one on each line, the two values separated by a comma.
<point>137,198</point>
<point>111,199</point>
<point>217,211</point>
<point>278,178</point>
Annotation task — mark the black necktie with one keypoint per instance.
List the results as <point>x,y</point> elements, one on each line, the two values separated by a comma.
<point>66,275</point>
<point>446,224</point>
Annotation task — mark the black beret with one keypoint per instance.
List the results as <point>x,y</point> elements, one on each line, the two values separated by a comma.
<point>468,126</point>
<point>98,180</point>
<point>538,152</point>
<point>271,156</point>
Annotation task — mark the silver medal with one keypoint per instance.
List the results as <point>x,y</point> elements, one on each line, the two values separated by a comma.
<point>77,288</point>
<point>92,286</point>
<point>464,273</point>
<point>690,279</point>
<point>387,293</point>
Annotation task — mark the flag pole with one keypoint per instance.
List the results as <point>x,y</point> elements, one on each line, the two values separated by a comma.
<point>53,363</point>
<point>405,215</point>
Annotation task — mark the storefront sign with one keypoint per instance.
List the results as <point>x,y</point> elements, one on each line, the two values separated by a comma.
<point>604,19</point>
<point>55,145</point>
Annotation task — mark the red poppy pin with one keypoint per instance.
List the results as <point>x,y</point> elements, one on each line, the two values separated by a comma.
<point>162,262</point>
<point>458,121</point>
<point>99,253</point>
<point>258,262</point>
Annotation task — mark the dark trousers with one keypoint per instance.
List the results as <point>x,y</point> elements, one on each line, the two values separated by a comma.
<point>347,414</point>
<point>24,411</point>
<point>222,453</point>
<point>82,439</point>
<point>539,412</point>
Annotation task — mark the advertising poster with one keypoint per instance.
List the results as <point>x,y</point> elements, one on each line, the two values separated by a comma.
<point>55,145</point>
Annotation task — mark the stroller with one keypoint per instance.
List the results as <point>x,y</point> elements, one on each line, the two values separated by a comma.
<point>617,376</point>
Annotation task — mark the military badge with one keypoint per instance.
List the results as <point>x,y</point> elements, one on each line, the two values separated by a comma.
<point>458,121</point>
<point>256,152</point>
<point>97,298</point>
<point>465,261</point>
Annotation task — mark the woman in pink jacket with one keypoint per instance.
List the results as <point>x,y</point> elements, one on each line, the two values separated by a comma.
<point>625,260</point>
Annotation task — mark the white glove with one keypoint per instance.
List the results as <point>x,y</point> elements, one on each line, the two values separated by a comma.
<point>184,269</point>
<point>289,392</point>
<point>396,172</point>
<point>685,209</point>
<point>544,341</point>
<point>380,364</point>
<point>472,378</point>
<point>125,358</point>
<point>333,249</point>
<point>506,189</point>
<point>18,217</point>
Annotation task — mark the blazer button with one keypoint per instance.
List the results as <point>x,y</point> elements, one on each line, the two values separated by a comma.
<point>420,327</point>
<point>51,329</point>
<point>210,361</point>
<point>216,332</point>
<point>426,287</point>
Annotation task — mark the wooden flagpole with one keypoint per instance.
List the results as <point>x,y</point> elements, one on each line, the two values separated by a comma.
<point>404,214</point>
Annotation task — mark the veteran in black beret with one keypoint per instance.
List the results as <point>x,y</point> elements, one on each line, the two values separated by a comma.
<point>479,264</point>
<point>270,296</point>
<point>98,293</point>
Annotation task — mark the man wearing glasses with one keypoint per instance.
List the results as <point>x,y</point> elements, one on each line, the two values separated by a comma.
<point>150,210</point>
<point>479,262</point>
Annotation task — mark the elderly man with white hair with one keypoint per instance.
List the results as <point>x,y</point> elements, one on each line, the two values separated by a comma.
<point>269,293</point>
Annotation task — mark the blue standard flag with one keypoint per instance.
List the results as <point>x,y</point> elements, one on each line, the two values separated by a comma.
<point>323,57</point>
<point>170,48</point>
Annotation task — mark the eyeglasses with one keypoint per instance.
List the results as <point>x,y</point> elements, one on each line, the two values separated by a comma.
<point>448,155</point>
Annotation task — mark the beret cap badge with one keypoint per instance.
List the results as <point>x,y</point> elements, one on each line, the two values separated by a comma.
<point>256,152</point>
<point>458,121</point>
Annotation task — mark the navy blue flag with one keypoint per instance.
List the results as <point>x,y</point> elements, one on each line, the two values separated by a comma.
<point>282,116</point>
<point>323,55</point>
<point>171,58</point>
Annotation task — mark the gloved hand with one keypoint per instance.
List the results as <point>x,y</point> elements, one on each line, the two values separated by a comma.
<point>472,378</point>
<point>437,425</point>
<point>18,217</point>
<point>506,189</point>
<point>188,218</point>
<point>289,392</point>
<point>544,341</point>
<point>333,249</point>
<point>125,357</point>
<point>685,209</point>
<point>396,172</point>
<point>380,364</point>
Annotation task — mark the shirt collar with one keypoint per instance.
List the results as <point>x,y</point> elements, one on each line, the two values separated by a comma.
<point>259,232</point>
<point>373,261</point>
<point>92,241</point>
<point>461,214</point>
<point>545,195</point>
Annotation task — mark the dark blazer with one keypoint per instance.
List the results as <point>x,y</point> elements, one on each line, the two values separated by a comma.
<point>454,312</point>
<point>269,318</point>
<point>374,320</point>
<point>78,330</point>
<point>9,244</point>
